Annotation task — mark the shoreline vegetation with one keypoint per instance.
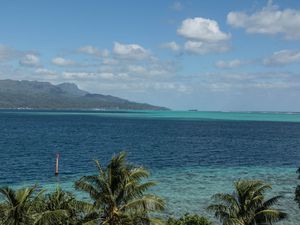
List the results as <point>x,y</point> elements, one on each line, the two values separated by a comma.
<point>120,194</point>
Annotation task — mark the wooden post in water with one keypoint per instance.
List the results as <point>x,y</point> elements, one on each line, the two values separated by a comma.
<point>56,166</point>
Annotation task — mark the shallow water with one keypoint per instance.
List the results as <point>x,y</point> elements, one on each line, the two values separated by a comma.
<point>192,155</point>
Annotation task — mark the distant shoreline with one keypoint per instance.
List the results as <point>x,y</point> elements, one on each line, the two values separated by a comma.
<point>263,116</point>
<point>154,110</point>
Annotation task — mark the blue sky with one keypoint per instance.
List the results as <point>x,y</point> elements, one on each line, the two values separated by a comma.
<point>206,55</point>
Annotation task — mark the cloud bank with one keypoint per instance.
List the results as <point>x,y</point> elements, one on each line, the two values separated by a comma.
<point>269,20</point>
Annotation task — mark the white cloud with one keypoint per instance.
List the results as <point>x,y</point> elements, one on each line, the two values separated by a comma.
<point>59,61</point>
<point>269,20</point>
<point>198,47</point>
<point>229,64</point>
<point>201,29</point>
<point>283,57</point>
<point>30,60</point>
<point>171,45</point>
<point>177,6</point>
<point>204,36</point>
<point>130,51</point>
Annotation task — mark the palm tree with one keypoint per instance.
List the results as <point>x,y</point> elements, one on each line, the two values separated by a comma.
<point>17,205</point>
<point>247,205</point>
<point>118,192</point>
<point>60,207</point>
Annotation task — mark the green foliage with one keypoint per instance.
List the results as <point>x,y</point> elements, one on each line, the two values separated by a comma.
<point>61,207</point>
<point>17,206</point>
<point>297,195</point>
<point>27,206</point>
<point>188,219</point>
<point>119,193</point>
<point>247,205</point>
<point>297,191</point>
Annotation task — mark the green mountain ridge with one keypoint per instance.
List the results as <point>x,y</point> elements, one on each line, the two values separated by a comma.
<point>44,95</point>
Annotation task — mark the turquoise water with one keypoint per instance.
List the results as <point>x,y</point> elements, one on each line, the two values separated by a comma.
<point>192,155</point>
<point>183,115</point>
<point>190,189</point>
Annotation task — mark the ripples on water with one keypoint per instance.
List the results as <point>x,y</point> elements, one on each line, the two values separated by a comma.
<point>192,159</point>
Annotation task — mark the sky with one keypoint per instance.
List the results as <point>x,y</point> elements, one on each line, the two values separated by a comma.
<point>215,55</point>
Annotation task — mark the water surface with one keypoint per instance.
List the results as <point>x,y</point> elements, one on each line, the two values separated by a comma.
<point>192,154</point>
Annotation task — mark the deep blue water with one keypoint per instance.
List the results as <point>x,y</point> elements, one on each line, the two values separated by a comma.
<point>29,142</point>
<point>178,151</point>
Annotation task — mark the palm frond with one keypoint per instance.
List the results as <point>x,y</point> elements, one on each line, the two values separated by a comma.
<point>51,217</point>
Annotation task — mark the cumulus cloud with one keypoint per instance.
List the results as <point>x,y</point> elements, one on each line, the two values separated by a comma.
<point>201,29</point>
<point>283,57</point>
<point>30,60</point>
<point>229,64</point>
<point>177,6</point>
<point>204,36</point>
<point>171,45</point>
<point>130,51</point>
<point>59,61</point>
<point>269,20</point>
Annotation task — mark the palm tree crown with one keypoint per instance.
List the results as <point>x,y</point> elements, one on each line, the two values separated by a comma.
<point>60,207</point>
<point>17,205</point>
<point>247,205</point>
<point>119,195</point>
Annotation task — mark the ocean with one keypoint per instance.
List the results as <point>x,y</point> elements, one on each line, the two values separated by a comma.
<point>192,155</point>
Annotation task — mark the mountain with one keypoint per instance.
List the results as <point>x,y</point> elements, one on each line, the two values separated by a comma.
<point>44,95</point>
<point>71,89</point>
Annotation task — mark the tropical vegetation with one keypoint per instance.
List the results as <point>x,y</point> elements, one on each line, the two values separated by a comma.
<point>297,191</point>
<point>120,194</point>
<point>247,205</point>
<point>188,219</point>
